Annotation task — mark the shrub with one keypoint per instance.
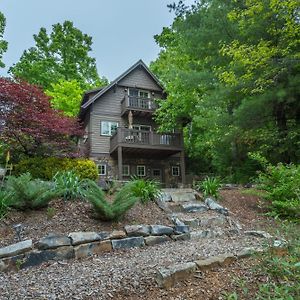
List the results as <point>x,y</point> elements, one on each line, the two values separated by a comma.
<point>281,184</point>
<point>68,185</point>
<point>4,202</point>
<point>28,193</point>
<point>106,211</point>
<point>46,168</point>
<point>145,190</point>
<point>210,186</point>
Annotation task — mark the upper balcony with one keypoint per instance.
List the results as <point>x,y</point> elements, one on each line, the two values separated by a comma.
<point>141,106</point>
<point>150,142</point>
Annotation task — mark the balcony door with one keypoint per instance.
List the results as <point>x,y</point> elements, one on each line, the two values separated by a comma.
<point>142,133</point>
<point>139,99</point>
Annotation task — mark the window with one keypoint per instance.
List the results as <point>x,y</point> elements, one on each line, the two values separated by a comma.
<point>141,171</point>
<point>156,172</point>
<point>144,94</point>
<point>108,128</point>
<point>102,169</point>
<point>141,127</point>
<point>126,170</point>
<point>175,171</point>
<point>138,93</point>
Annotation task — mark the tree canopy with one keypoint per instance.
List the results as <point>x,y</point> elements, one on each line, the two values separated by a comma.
<point>3,43</point>
<point>30,126</point>
<point>62,54</point>
<point>231,70</point>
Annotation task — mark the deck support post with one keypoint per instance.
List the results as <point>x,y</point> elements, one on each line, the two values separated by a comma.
<point>120,163</point>
<point>182,167</point>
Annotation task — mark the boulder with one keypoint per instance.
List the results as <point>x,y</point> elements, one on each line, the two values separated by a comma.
<point>194,207</point>
<point>128,243</point>
<point>164,197</point>
<point>215,261</point>
<point>83,237</point>
<point>160,230</point>
<point>15,249</point>
<point>53,241</point>
<point>176,221</point>
<point>153,240</point>
<point>104,235</point>
<point>137,230</point>
<point>192,222</point>
<point>213,221</point>
<point>212,204</point>
<point>117,234</point>
<point>85,250</point>
<point>37,257</point>
<point>183,196</point>
<point>179,229</point>
<point>167,278</point>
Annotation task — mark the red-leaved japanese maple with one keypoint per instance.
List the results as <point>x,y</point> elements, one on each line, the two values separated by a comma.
<point>29,125</point>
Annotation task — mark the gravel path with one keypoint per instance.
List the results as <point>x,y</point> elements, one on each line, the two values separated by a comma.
<point>101,277</point>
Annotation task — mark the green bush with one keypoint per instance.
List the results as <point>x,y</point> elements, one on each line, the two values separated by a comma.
<point>4,202</point>
<point>106,211</point>
<point>145,190</point>
<point>210,186</point>
<point>46,168</point>
<point>68,185</point>
<point>281,184</point>
<point>28,193</point>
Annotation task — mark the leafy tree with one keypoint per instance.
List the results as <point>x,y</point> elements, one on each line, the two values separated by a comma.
<point>3,43</point>
<point>66,96</point>
<point>62,54</point>
<point>30,126</point>
<point>231,69</point>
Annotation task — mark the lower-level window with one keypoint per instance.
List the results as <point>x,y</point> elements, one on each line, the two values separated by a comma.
<point>102,169</point>
<point>125,171</point>
<point>156,172</point>
<point>141,171</point>
<point>175,171</point>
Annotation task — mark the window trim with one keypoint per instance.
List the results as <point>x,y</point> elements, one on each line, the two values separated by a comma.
<point>176,168</point>
<point>105,169</point>
<point>128,168</point>
<point>137,170</point>
<point>110,123</point>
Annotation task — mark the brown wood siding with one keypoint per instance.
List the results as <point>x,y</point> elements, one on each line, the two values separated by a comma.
<point>140,79</point>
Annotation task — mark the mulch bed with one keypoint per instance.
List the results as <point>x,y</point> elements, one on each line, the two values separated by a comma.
<point>63,217</point>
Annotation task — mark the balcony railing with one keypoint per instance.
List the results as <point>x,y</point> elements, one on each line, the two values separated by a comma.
<point>138,103</point>
<point>139,137</point>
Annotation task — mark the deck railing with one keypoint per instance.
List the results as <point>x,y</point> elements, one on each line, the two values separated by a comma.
<point>138,103</point>
<point>140,137</point>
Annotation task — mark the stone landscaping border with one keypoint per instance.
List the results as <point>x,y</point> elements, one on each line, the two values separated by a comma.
<point>168,277</point>
<point>83,244</point>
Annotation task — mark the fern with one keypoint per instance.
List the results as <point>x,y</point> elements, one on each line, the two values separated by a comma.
<point>106,211</point>
<point>28,193</point>
<point>4,202</point>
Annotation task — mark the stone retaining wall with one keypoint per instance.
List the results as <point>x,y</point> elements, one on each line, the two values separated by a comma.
<point>83,244</point>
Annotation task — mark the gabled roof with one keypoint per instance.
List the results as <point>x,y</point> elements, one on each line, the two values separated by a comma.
<point>86,104</point>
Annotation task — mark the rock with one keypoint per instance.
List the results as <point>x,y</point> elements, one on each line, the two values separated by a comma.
<point>117,234</point>
<point>199,234</point>
<point>83,237</point>
<point>137,230</point>
<point>104,235</point>
<point>15,249</point>
<point>176,221</point>
<point>90,249</point>
<point>36,257</point>
<point>53,241</point>
<point>194,207</point>
<point>183,196</point>
<point>215,261</point>
<point>179,229</point>
<point>167,278</point>
<point>213,221</point>
<point>192,222</point>
<point>153,240</point>
<point>279,243</point>
<point>212,204</point>
<point>258,233</point>
<point>246,252</point>
<point>160,230</point>
<point>230,186</point>
<point>181,237</point>
<point>165,197</point>
<point>128,243</point>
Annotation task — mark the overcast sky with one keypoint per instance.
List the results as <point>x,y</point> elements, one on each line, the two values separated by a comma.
<point>122,30</point>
